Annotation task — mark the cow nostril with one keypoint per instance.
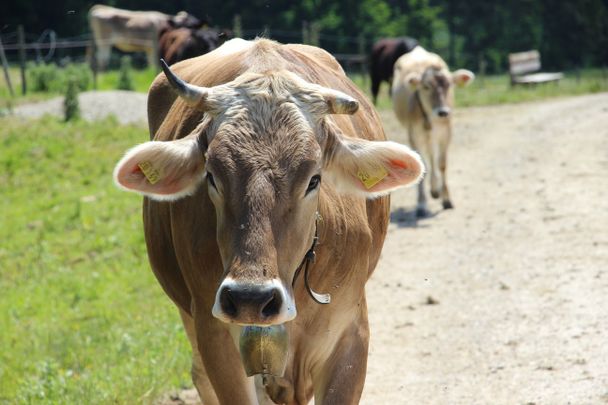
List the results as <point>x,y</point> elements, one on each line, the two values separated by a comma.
<point>443,113</point>
<point>273,306</point>
<point>227,302</point>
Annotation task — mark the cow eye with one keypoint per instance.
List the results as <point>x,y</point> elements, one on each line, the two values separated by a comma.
<point>314,183</point>
<point>211,180</point>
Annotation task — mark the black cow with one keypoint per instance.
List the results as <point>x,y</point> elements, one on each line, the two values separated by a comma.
<point>384,54</point>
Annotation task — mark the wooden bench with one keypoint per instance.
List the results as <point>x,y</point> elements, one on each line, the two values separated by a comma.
<point>522,63</point>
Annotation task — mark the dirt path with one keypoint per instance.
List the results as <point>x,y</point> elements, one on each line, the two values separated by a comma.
<point>519,269</point>
<point>503,300</point>
<point>128,107</point>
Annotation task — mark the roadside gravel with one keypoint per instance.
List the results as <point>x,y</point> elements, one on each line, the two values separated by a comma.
<point>128,107</point>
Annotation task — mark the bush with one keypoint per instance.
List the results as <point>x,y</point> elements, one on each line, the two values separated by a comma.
<point>43,77</point>
<point>50,78</point>
<point>81,73</point>
<point>71,108</point>
<point>125,79</point>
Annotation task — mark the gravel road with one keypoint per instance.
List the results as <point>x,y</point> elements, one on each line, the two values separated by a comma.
<point>127,106</point>
<point>502,300</point>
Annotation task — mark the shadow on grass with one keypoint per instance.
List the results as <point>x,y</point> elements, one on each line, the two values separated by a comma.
<point>406,218</point>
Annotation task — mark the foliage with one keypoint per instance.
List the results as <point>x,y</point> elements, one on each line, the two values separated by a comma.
<point>569,34</point>
<point>80,73</point>
<point>43,77</point>
<point>125,79</point>
<point>71,108</point>
<point>83,320</point>
<point>49,77</point>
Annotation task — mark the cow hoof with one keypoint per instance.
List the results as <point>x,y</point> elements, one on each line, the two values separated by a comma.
<point>434,194</point>
<point>447,205</point>
<point>422,213</point>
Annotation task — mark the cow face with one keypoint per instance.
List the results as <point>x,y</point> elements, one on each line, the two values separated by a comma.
<point>263,151</point>
<point>185,20</point>
<point>435,91</point>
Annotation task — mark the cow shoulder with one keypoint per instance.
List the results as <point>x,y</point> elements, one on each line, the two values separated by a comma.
<point>318,54</point>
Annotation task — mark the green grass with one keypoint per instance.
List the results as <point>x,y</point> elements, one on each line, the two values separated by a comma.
<point>82,318</point>
<point>105,81</point>
<point>142,79</point>
<point>488,90</point>
<point>491,90</point>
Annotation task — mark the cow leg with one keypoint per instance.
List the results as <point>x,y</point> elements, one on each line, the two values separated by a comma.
<point>222,361</point>
<point>419,141</point>
<point>199,374</point>
<point>444,135</point>
<point>152,55</point>
<point>342,383</point>
<point>103,56</point>
<point>375,89</point>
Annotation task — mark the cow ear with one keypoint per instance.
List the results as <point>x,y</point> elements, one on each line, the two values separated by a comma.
<point>162,170</point>
<point>463,77</point>
<point>413,80</point>
<point>372,168</point>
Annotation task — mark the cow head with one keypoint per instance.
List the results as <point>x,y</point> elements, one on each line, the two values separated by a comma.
<point>434,88</point>
<point>263,149</point>
<point>185,20</point>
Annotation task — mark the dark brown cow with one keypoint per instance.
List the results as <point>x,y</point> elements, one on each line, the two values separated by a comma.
<point>384,54</point>
<point>177,44</point>
<point>267,147</point>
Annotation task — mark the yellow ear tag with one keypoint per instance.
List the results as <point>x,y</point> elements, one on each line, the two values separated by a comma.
<point>151,173</point>
<point>372,176</point>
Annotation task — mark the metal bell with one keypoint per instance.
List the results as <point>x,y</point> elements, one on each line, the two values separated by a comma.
<point>264,349</point>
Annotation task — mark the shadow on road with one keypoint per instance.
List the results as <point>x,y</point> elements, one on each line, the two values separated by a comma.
<point>406,218</point>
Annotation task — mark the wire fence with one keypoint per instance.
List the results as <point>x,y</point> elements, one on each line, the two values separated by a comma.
<point>23,48</point>
<point>48,41</point>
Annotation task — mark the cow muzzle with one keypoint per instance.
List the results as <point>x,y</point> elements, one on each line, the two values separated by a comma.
<point>244,303</point>
<point>442,111</point>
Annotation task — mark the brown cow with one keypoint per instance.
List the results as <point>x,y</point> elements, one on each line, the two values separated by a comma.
<point>262,152</point>
<point>423,98</point>
<point>177,44</point>
<point>132,31</point>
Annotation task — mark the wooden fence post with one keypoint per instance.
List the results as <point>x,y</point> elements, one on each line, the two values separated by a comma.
<point>21,40</point>
<point>237,27</point>
<point>7,76</point>
<point>305,33</point>
<point>94,66</point>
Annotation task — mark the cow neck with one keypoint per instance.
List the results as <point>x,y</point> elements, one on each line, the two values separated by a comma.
<point>307,261</point>
<point>427,121</point>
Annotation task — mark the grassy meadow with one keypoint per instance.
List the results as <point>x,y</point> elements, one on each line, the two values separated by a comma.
<point>82,319</point>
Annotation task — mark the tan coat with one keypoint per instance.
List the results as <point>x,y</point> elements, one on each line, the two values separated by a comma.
<point>423,100</point>
<point>242,212</point>
<point>130,31</point>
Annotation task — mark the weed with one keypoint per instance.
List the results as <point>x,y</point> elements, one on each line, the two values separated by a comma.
<point>125,79</point>
<point>71,108</point>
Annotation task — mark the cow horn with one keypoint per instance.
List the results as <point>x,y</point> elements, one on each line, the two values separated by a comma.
<point>342,104</point>
<point>338,102</point>
<point>190,93</point>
